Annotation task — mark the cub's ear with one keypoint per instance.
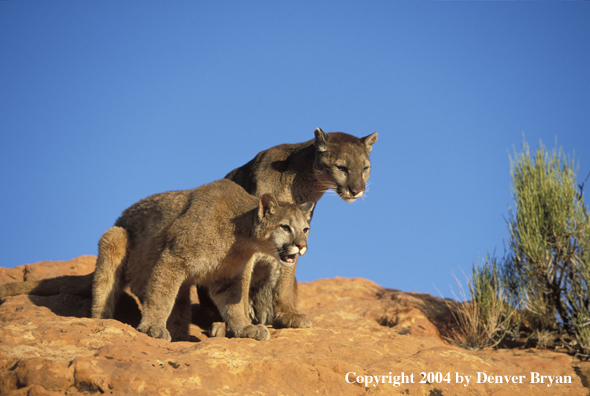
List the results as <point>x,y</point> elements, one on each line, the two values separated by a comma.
<point>307,209</point>
<point>370,140</point>
<point>321,140</point>
<point>266,205</point>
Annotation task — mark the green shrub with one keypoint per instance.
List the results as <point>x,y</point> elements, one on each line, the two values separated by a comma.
<point>545,277</point>
<point>549,260</point>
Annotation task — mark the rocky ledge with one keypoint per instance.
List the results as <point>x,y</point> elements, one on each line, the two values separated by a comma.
<point>365,339</point>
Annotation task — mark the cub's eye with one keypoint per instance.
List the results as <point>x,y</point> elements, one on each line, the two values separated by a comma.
<point>366,168</point>
<point>286,228</point>
<point>342,168</point>
<point>306,230</point>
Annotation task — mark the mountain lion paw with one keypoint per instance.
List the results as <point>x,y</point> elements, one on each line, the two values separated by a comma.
<point>217,329</point>
<point>296,320</point>
<point>258,332</point>
<point>155,331</point>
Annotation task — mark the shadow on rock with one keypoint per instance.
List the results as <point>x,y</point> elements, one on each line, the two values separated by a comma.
<point>64,304</point>
<point>436,310</point>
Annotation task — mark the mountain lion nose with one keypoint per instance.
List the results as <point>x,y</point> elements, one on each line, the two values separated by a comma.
<point>355,192</point>
<point>302,247</point>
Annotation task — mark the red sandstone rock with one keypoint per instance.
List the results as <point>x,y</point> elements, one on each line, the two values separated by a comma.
<point>47,269</point>
<point>49,346</point>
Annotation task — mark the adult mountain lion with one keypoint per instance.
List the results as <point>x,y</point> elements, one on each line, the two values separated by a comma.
<point>298,173</point>
<point>207,236</point>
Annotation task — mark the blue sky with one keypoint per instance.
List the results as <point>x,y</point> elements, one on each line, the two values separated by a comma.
<point>103,103</point>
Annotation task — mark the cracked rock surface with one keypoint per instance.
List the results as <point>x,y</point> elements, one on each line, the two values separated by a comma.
<point>50,346</point>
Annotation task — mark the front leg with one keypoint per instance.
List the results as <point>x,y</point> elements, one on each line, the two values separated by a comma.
<point>230,306</point>
<point>285,300</point>
<point>231,296</point>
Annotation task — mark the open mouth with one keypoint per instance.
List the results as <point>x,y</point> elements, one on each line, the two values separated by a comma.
<point>287,258</point>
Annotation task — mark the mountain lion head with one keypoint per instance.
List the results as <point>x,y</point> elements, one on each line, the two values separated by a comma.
<point>284,225</point>
<point>342,162</point>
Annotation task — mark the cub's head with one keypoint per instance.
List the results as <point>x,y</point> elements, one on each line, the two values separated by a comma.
<point>285,226</point>
<point>342,162</point>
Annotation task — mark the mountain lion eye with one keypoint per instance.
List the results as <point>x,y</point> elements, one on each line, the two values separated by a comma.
<point>306,230</point>
<point>341,168</point>
<point>366,168</point>
<point>286,228</point>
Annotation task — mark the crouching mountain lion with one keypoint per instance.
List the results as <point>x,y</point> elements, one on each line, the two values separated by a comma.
<point>298,173</point>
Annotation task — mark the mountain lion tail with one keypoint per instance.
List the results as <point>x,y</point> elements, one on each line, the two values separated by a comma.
<point>108,276</point>
<point>72,284</point>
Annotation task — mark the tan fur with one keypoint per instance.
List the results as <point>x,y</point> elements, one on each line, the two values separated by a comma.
<point>165,243</point>
<point>108,277</point>
<point>298,173</point>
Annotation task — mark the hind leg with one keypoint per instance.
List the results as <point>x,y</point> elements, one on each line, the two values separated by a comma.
<point>165,282</point>
<point>108,281</point>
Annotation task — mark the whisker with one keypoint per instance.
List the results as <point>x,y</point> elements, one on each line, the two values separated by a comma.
<point>327,187</point>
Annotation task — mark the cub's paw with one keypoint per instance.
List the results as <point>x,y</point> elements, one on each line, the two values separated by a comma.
<point>258,332</point>
<point>296,320</point>
<point>155,331</point>
<point>217,329</point>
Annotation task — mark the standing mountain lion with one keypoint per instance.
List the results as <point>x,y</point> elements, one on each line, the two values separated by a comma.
<point>207,236</point>
<point>298,173</point>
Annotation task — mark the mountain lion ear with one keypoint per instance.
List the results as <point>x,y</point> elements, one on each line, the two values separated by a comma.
<point>266,205</point>
<point>321,140</point>
<point>307,209</point>
<point>370,140</point>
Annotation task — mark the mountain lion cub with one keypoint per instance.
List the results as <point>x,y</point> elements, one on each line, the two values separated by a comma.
<point>210,236</point>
